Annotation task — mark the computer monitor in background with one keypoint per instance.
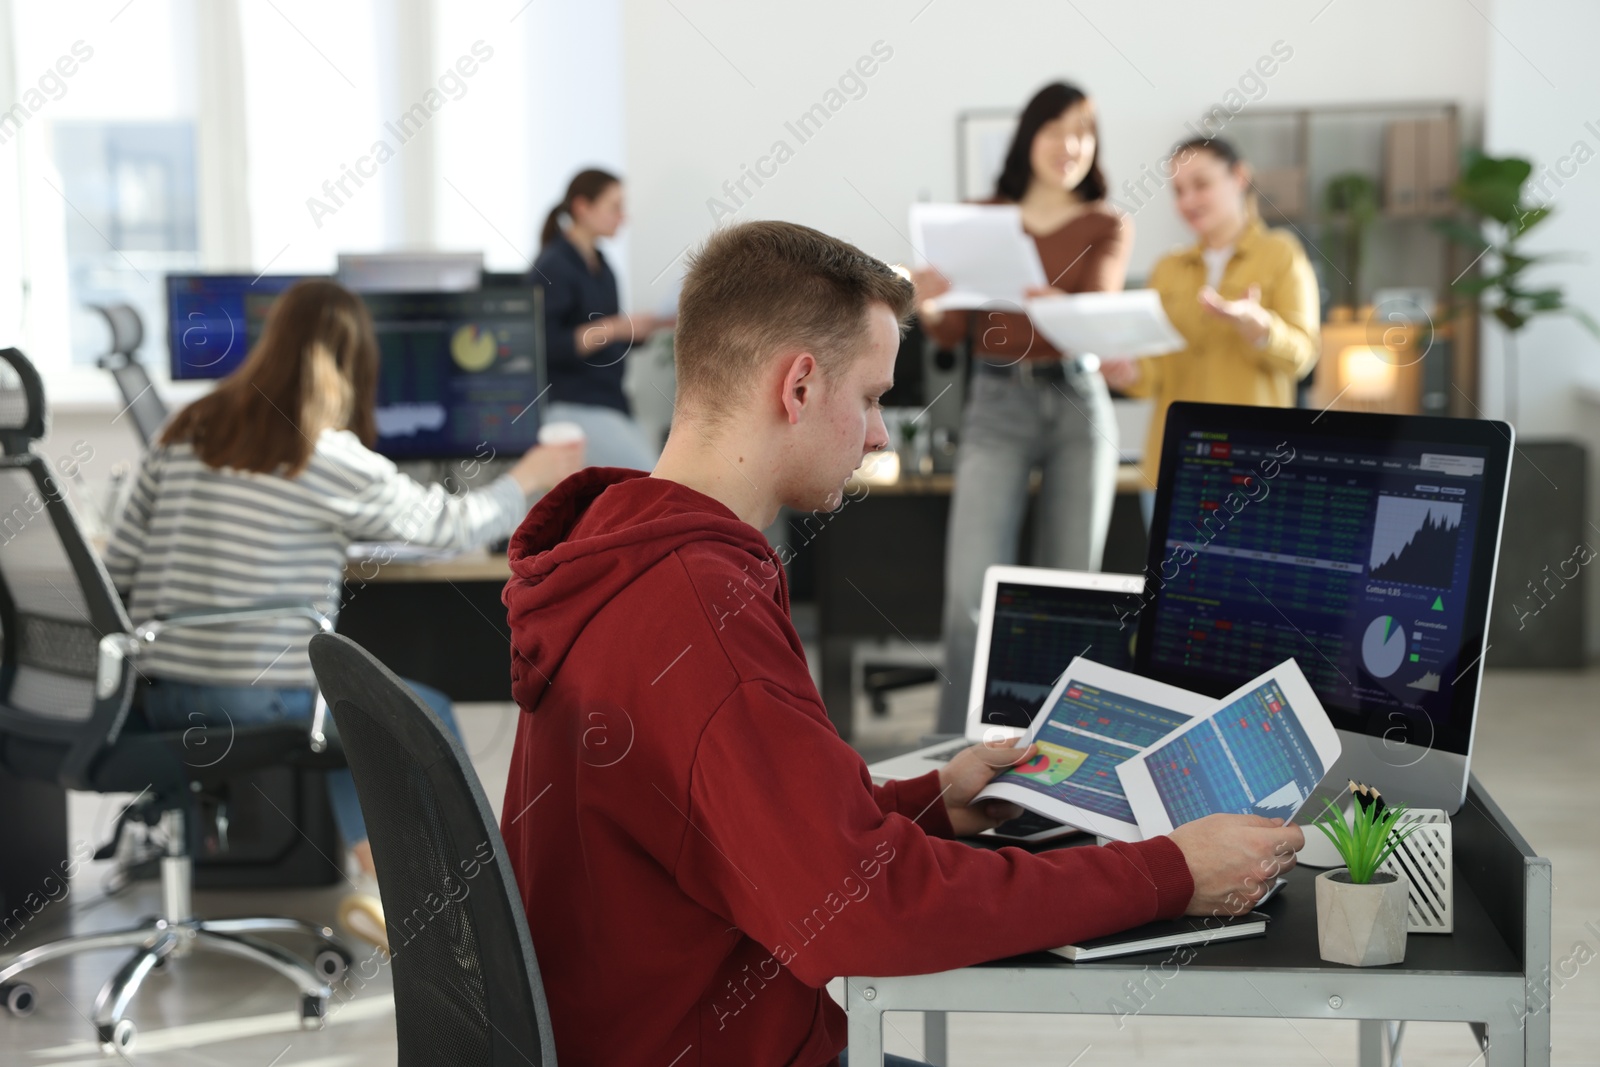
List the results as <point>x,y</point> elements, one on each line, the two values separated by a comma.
<point>457,375</point>
<point>1362,545</point>
<point>410,272</point>
<point>207,332</point>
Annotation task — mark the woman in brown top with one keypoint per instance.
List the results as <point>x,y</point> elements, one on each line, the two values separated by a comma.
<point>1031,407</point>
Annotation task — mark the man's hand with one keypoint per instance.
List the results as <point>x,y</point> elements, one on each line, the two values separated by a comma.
<point>964,778</point>
<point>1234,859</point>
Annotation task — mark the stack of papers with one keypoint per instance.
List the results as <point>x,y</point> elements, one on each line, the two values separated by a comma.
<point>1129,758</point>
<point>1110,325</point>
<point>981,249</point>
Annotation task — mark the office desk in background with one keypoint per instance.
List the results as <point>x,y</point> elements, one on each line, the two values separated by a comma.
<point>879,568</point>
<point>439,622</point>
<point>1493,971</point>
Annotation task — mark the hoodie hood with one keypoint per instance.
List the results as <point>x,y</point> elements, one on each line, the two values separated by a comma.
<point>587,540</point>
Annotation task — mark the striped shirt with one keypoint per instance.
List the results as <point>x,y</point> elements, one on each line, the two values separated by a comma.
<point>195,537</point>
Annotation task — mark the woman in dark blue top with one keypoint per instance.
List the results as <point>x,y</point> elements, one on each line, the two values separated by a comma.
<point>586,335</point>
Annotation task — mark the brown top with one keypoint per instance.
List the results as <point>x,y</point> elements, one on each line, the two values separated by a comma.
<point>1086,254</point>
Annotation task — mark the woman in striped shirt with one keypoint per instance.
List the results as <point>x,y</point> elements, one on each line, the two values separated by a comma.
<point>252,496</point>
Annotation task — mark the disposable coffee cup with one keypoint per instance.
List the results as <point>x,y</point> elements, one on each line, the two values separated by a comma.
<point>561,433</point>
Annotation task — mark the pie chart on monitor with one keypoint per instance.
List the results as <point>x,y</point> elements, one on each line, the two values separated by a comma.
<point>472,348</point>
<point>1383,648</point>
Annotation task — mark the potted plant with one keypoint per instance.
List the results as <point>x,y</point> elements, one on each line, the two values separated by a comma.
<point>1349,206</point>
<point>1361,911</point>
<point>1490,189</point>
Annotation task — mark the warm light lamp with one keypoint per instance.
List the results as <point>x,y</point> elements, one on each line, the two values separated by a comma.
<point>1367,373</point>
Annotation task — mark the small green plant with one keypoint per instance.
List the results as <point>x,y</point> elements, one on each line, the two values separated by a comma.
<point>1371,835</point>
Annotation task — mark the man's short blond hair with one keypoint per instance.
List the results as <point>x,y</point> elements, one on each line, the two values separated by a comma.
<point>756,289</point>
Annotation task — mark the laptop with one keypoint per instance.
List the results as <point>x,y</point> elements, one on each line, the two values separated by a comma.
<point>1031,624</point>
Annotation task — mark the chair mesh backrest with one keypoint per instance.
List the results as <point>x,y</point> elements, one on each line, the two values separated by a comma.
<point>49,646</point>
<point>144,405</point>
<point>466,984</point>
<point>21,402</point>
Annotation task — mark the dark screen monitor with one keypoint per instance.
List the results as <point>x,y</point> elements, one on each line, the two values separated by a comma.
<point>1363,546</point>
<point>207,332</point>
<point>457,373</point>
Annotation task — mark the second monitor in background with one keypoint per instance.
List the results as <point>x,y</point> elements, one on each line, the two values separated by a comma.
<point>458,372</point>
<point>410,272</point>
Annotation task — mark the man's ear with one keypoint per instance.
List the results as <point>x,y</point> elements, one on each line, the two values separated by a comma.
<point>799,384</point>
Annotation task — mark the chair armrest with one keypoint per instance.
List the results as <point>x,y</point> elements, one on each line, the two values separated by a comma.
<point>147,632</point>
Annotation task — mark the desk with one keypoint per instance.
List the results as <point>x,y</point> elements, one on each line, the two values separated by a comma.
<point>440,623</point>
<point>1492,972</point>
<point>879,565</point>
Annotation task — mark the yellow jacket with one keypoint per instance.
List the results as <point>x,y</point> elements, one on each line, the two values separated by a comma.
<point>1218,365</point>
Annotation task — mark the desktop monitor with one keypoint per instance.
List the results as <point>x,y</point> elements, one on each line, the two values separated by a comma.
<point>411,272</point>
<point>1364,546</point>
<point>457,374</point>
<point>207,331</point>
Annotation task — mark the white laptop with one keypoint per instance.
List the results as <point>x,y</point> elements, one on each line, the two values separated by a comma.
<point>1032,622</point>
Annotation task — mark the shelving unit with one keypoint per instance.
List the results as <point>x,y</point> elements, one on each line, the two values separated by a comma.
<point>1410,152</point>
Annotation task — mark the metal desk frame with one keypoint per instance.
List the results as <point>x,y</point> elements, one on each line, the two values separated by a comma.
<point>1508,1010</point>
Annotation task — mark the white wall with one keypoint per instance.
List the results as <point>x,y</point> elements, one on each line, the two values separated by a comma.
<point>1544,104</point>
<point>710,84</point>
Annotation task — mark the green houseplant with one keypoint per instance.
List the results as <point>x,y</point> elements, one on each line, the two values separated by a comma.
<point>1361,911</point>
<point>1349,206</point>
<point>1491,190</point>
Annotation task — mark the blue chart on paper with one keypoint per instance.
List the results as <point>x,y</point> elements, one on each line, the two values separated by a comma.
<point>1251,758</point>
<point>1089,731</point>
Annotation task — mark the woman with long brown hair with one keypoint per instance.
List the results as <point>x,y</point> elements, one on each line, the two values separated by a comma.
<point>586,334</point>
<point>250,498</point>
<point>1031,407</point>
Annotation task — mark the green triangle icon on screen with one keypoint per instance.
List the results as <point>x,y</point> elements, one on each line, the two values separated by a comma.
<point>1438,603</point>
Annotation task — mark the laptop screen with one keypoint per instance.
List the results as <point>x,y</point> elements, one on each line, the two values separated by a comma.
<point>1361,545</point>
<point>1035,631</point>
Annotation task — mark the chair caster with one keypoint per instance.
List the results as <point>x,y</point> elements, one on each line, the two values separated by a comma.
<point>117,1038</point>
<point>331,964</point>
<point>20,998</point>
<point>313,1012</point>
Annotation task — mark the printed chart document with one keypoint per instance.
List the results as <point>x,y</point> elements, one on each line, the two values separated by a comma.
<point>1111,325</point>
<point>1094,719</point>
<point>981,249</point>
<point>1262,751</point>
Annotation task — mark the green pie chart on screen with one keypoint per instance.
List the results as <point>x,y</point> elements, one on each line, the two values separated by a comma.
<point>1383,647</point>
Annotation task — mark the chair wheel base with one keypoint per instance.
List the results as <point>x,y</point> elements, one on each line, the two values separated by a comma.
<point>20,998</point>
<point>313,1012</point>
<point>118,1037</point>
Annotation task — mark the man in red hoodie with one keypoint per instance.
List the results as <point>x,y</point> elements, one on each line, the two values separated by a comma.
<point>698,851</point>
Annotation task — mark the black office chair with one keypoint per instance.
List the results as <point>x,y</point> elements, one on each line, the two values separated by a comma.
<point>68,668</point>
<point>142,403</point>
<point>466,983</point>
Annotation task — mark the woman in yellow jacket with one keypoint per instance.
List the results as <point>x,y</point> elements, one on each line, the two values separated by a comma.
<point>1244,298</point>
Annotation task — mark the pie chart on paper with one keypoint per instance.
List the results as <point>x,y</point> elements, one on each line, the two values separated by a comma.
<point>472,348</point>
<point>1383,647</point>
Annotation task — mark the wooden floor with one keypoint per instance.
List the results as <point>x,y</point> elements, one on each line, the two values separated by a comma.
<point>1538,747</point>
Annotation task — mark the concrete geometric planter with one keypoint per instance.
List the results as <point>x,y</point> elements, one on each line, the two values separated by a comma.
<point>1361,925</point>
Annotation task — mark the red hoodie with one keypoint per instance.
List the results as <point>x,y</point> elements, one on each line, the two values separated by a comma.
<point>697,849</point>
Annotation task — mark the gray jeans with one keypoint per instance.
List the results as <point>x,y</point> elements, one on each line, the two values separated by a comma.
<point>1012,426</point>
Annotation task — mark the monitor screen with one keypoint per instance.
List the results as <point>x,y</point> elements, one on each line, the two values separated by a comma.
<point>1036,631</point>
<point>1361,545</point>
<point>457,372</point>
<point>207,332</point>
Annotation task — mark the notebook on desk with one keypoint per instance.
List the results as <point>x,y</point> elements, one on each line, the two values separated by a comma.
<point>1170,933</point>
